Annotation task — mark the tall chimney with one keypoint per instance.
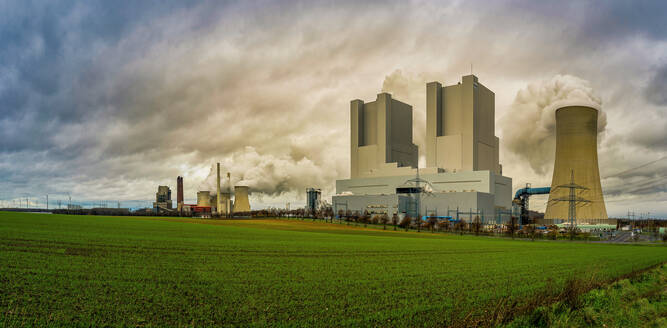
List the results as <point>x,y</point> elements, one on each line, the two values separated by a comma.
<point>179,193</point>
<point>218,204</point>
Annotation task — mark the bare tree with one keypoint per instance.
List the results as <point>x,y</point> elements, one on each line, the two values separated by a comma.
<point>356,217</point>
<point>460,226</point>
<point>394,220</point>
<point>365,218</point>
<point>553,232</point>
<point>572,232</point>
<point>476,225</point>
<point>384,218</point>
<point>375,219</point>
<point>405,223</point>
<point>431,222</point>
<point>443,225</point>
<point>531,231</point>
<point>512,226</point>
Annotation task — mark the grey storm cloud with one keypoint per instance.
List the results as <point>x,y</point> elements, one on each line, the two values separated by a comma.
<point>106,100</point>
<point>656,90</point>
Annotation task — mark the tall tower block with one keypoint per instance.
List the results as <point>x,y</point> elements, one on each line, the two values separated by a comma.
<point>381,137</point>
<point>577,154</point>
<point>460,127</point>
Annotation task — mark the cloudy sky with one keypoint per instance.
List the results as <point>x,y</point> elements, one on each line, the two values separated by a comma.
<point>105,100</point>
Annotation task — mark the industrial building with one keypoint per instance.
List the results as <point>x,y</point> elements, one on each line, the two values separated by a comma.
<point>163,198</point>
<point>463,176</point>
<point>241,202</point>
<point>576,194</point>
<point>218,203</point>
<point>313,199</point>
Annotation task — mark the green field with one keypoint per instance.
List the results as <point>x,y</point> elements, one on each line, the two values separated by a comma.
<point>124,271</point>
<point>640,301</point>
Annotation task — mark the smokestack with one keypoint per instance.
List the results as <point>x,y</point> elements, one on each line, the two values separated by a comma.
<point>179,193</point>
<point>228,209</point>
<point>576,155</point>
<point>218,204</point>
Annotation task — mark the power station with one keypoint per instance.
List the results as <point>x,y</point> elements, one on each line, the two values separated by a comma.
<point>221,203</point>
<point>463,177</point>
<point>463,173</point>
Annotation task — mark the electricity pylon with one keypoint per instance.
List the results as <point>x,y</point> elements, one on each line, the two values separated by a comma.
<point>572,199</point>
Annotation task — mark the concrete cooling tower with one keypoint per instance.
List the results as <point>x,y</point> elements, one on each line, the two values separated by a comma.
<point>241,203</point>
<point>224,204</point>
<point>576,159</point>
<point>204,198</point>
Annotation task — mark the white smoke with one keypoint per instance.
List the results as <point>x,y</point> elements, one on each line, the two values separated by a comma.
<point>270,175</point>
<point>529,126</point>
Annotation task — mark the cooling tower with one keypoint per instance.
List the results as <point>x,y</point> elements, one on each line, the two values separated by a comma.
<point>204,198</point>
<point>241,203</point>
<point>224,204</point>
<point>576,155</point>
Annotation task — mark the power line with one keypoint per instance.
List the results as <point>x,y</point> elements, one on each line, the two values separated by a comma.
<point>635,168</point>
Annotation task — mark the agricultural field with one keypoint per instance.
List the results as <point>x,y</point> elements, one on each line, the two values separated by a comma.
<point>64,270</point>
<point>637,301</point>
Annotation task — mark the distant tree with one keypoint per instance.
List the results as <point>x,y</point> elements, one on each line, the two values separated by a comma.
<point>553,232</point>
<point>384,218</point>
<point>531,231</point>
<point>330,213</point>
<point>476,225</point>
<point>365,218</point>
<point>431,223</point>
<point>460,226</point>
<point>443,225</point>
<point>394,220</point>
<point>572,232</point>
<point>405,222</point>
<point>512,226</point>
<point>375,219</point>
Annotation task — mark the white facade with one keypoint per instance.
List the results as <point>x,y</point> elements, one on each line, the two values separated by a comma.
<point>465,182</point>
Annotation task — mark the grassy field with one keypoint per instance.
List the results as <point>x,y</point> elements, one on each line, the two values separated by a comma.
<point>121,271</point>
<point>640,301</point>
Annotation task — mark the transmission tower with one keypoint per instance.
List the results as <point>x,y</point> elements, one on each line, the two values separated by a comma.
<point>572,200</point>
